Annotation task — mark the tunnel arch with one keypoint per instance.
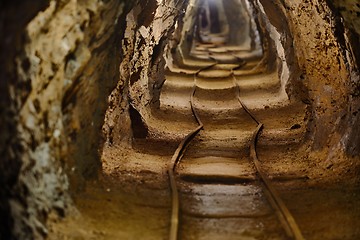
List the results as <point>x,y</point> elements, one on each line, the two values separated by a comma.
<point>317,48</point>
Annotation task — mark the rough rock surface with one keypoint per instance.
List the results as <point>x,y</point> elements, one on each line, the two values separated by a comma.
<point>328,75</point>
<point>66,68</point>
<point>12,26</point>
<point>58,74</point>
<point>350,11</point>
<point>148,27</point>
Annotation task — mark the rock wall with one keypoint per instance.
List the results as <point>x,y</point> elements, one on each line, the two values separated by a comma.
<point>12,26</point>
<point>350,10</point>
<point>58,75</point>
<point>64,66</point>
<point>64,69</point>
<point>321,54</point>
<point>329,73</point>
<point>148,29</point>
<point>350,36</point>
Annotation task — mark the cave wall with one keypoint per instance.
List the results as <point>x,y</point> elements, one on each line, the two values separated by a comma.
<point>350,27</point>
<point>186,32</point>
<point>64,66</point>
<point>58,71</point>
<point>350,11</point>
<point>148,29</point>
<point>12,26</point>
<point>319,48</point>
<point>330,74</point>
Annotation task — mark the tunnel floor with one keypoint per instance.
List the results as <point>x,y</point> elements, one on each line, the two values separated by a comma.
<point>220,196</point>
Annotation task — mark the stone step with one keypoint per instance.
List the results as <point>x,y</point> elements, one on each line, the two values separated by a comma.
<point>258,100</point>
<point>174,68</point>
<point>225,141</point>
<point>213,117</point>
<point>179,80</point>
<point>216,169</point>
<point>216,97</point>
<point>231,114</point>
<point>237,48</point>
<point>214,83</point>
<point>176,100</point>
<point>219,50</point>
<point>255,55</point>
<point>262,84</point>
<point>214,73</point>
<point>226,134</point>
<point>224,58</point>
<point>266,82</point>
<point>195,63</point>
<point>225,48</point>
<point>202,228</point>
<point>234,151</point>
<point>209,102</point>
<point>226,66</point>
<point>251,68</point>
<point>224,201</point>
<point>219,109</point>
<point>201,58</point>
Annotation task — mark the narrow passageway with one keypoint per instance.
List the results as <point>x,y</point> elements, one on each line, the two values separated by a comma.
<point>180,120</point>
<point>218,182</point>
<point>219,60</point>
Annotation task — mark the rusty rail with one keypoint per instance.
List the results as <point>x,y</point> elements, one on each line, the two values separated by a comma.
<point>178,154</point>
<point>287,220</point>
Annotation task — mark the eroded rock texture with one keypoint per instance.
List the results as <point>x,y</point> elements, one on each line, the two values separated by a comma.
<point>329,73</point>
<point>350,11</point>
<point>67,65</point>
<point>12,27</point>
<point>321,55</point>
<point>148,27</point>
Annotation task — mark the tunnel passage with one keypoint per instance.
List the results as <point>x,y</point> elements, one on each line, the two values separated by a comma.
<point>218,50</point>
<point>232,20</point>
<point>96,98</point>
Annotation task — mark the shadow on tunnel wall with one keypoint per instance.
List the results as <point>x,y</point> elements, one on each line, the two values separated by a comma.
<point>12,26</point>
<point>70,135</point>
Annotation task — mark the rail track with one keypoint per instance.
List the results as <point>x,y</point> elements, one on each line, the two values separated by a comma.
<point>283,214</point>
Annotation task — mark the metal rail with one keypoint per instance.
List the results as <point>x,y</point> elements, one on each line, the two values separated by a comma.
<point>287,220</point>
<point>179,153</point>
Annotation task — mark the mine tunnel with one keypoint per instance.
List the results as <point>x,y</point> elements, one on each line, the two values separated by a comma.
<point>179,119</point>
